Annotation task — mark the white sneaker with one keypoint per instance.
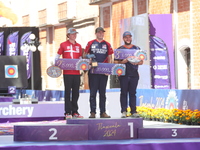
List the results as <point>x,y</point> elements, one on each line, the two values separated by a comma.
<point>135,115</point>
<point>123,115</point>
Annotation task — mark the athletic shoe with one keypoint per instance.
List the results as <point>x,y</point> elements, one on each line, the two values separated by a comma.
<point>92,115</point>
<point>68,116</point>
<point>104,115</point>
<point>123,115</point>
<point>77,115</point>
<point>135,115</point>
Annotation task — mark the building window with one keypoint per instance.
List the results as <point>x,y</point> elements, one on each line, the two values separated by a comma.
<point>25,20</point>
<point>42,16</point>
<point>62,10</point>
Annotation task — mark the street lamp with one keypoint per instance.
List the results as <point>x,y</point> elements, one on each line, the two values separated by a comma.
<point>32,45</point>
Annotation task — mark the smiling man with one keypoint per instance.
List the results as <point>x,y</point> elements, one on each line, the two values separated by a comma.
<point>129,82</point>
<point>70,49</point>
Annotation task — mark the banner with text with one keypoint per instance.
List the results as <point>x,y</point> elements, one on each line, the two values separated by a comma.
<point>26,51</point>
<point>12,44</point>
<point>162,52</point>
<point>1,42</point>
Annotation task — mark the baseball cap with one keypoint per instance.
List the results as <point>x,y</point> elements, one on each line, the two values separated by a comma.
<point>127,33</point>
<point>71,31</point>
<point>99,29</point>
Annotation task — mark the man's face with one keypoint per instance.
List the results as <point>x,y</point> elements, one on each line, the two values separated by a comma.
<point>72,36</point>
<point>100,35</point>
<point>127,39</point>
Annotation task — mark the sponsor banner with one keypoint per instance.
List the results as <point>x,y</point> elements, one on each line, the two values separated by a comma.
<point>73,64</point>
<point>26,51</point>
<point>12,44</point>
<point>31,110</point>
<point>124,53</point>
<point>162,51</point>
<point>108,68</point>
<point>1,42</point>
<point>160,64</point>
<point>169,99</point>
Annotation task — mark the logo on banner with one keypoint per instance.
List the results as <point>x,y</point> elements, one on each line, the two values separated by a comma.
<point>82,64</point>
<point>141,54</point>
<point>12,44</point>
<point>11,71</point>
<point>172,100</point>
<point>119,69</point>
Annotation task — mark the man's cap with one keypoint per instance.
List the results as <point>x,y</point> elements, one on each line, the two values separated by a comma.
<point>127,33</point>
<point>99,29</point>
<point>71,31</point>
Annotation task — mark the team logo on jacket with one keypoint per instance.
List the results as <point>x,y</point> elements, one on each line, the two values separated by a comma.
<point>104,46</point>
<point>93,46</point>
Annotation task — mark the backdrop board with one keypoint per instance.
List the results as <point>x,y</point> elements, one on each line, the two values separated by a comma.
<point>13,72</point>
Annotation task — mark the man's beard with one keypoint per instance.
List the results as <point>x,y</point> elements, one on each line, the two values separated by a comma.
<point>127,43</point>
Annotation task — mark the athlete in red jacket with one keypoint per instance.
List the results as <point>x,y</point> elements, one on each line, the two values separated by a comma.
<point>70,49</point>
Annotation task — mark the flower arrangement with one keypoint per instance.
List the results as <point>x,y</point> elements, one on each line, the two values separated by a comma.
<point>170,115</point>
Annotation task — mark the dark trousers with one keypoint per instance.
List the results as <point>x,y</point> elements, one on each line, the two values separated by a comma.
<point>97,82</point>
<point>128,85</point>
<point>72,83</point>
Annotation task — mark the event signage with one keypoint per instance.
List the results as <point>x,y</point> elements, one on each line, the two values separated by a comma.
<point>108,68</point>
<point>160,64</point>
<point>12,89</point>
<point>12,44</point>
<point>120,54</point>
<point>26,51</point>
<point>11,71</point>
<point>73,64</point>
<point>162,51</point>
<point>31,110</point>
<point>1,42</point>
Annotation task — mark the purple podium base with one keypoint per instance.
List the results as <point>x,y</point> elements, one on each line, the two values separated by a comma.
<point>47,132</point>
<point>6,99</point>
<point>152,133</point>
<point>155,130</point>
<point>110,129</point>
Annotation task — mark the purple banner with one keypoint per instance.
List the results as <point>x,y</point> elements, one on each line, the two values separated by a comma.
<point>1,42</point>
<point>31,110</point>
<point>160,64</point>
<point>162,52</point>
<point>25,51</point>
<point>108,68</point>
<point>124,53</point>
<point>73,64</point>
<point>12,44</point>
